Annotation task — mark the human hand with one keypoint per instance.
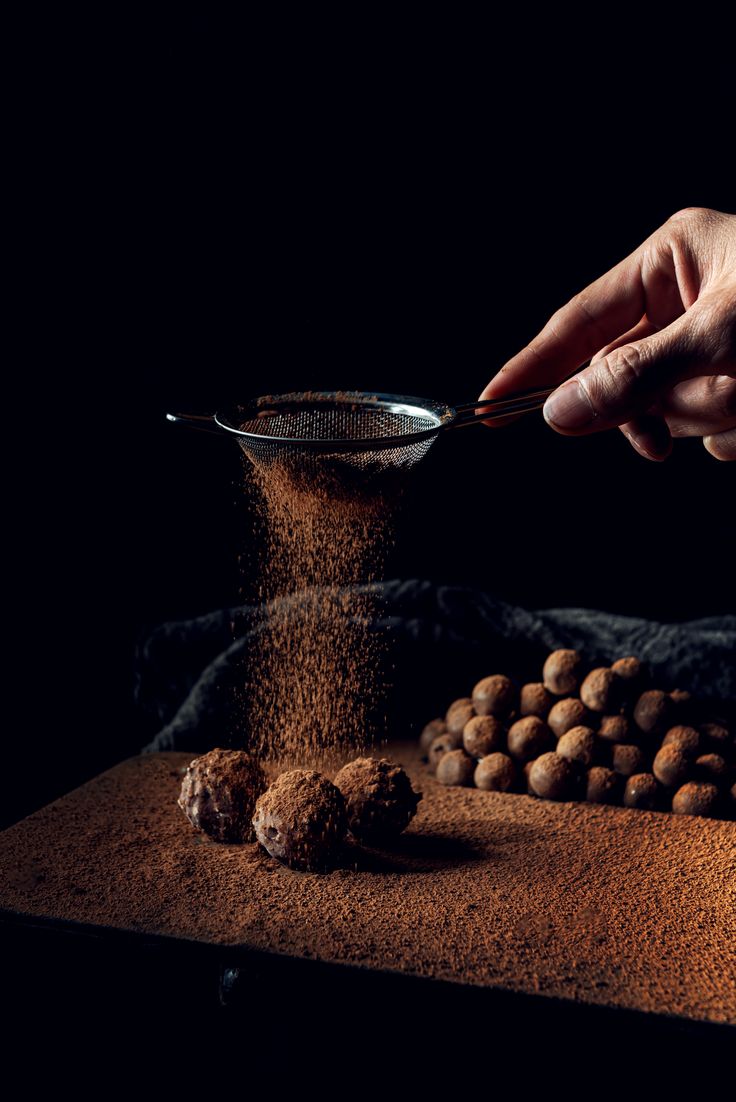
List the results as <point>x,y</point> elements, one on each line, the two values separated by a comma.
<point>660,332</point>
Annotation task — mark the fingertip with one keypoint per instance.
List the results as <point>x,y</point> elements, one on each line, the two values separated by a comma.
<point>497,387</point>
<point>721,445</point>
<point>650,437</point>
<point>568,409</point>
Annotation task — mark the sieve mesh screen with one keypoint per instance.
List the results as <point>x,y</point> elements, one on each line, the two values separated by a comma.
<point>364,432</point>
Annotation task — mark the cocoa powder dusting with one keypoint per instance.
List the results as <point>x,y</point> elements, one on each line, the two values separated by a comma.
<point>318,684</point>
<point>586,902</point>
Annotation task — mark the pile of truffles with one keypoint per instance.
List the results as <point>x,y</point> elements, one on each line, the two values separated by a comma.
<point>602,735</point>
<point>303,818</point>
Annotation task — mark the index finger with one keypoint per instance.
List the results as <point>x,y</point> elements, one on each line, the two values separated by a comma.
<point>607,308</point>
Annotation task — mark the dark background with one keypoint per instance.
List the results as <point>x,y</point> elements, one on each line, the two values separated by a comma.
<point>210,209</point>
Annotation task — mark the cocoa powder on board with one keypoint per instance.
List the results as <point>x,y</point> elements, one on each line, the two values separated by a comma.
<point>581,901</point>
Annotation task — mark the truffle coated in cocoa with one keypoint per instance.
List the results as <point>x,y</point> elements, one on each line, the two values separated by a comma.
<point>527,738</point>
<point>535,700</point>
<point>602,785</point>
<point>695,798</point>
<point>526,770</point>
<point>653,711</point>
<point>379,799</point>
<point>670,766</point>
<point>482,735</point>
<point>494,695</point>
<point>577,745</point>
<point>430,732</point>
<point>628,671</point>
<point>627,759</point>
<point>684,704</point>
<point>641,792</point>
<point>614,728</point>
<point>561,672</point>
<point>552,777</point>
<point>301,821</point>
<point>566,714</point>
<point>711,767</point>
<point>686,739</point>
<point>458,715</point>
<point>495,773</point>
<point>597,691</point>
<point>716,735</point>
<point>219,792</point>
<point>443,744</point>
<point>456,768</point>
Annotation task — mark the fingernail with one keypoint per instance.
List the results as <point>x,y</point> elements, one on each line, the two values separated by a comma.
<point>568,408</point>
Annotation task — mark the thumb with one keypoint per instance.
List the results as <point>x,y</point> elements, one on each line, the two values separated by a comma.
<point>626,382</point>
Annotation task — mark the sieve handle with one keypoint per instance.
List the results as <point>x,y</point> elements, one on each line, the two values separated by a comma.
<point>494,409</point>
<point>202,422</point>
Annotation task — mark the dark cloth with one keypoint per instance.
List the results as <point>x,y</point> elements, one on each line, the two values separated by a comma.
<point>442,640</point>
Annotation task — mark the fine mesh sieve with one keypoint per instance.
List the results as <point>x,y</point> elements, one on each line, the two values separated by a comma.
<point>368,432</point>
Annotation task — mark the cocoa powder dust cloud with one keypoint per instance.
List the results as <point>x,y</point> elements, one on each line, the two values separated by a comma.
<point>317,670</point>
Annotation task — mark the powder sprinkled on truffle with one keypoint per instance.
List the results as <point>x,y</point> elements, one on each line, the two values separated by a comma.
<point>483,735</point>
<point>301,821</point>
<point>379,799</point>
<point>219,793</point>
<point>456,768</point>
<point>494,695</point>
<point>495,773</point>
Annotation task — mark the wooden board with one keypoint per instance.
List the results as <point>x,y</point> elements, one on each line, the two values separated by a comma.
<point>597,905</point>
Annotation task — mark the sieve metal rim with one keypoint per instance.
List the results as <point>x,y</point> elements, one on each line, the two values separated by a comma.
<point>410,405</point>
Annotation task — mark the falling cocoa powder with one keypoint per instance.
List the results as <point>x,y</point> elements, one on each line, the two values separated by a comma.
<point>318,667</point>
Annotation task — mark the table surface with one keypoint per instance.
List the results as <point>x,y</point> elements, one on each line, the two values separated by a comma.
<point>598,905</point>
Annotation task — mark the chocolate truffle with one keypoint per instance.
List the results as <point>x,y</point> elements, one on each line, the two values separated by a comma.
<point>577,745</point>
<point>482,735</point>
<point>535,700</point>
<point>300,820</point>
<point>627,759</point>
<point>565,715</point>
<point>527,738</point>
<point>695,799</point>
<point>685,739</point>
<point>597,691</point>
<point>456,768</point>
<point>603,785</point>
<point>552,777</point>
<point>431,731</point>
<point>219,793</point>
<point>495,773</point>
<point>716,735</point>
<point>379,799</point>
<point>683,702</point>
<point>711,767</point>
<point>653,711</point>
<point>458,714</point>
<point>670,767</point>
<point>628,671</point>
<point>494,696</point>
<point>526,771</point>
<point>443,744</point>
<point>614,728</point>
<point>641,791</point>
<point>561,673</point>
